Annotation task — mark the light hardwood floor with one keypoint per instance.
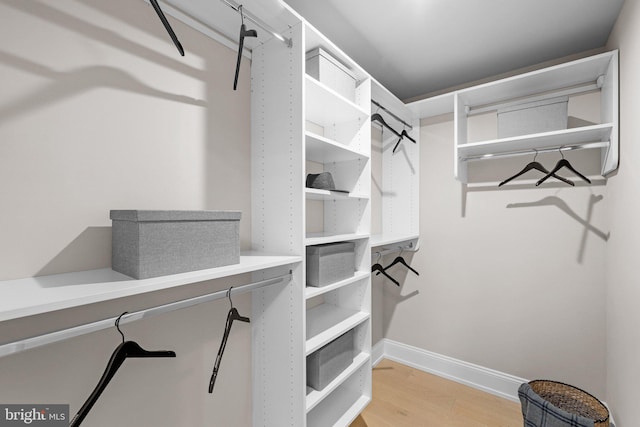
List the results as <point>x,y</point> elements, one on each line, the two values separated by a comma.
<point>407,397</point>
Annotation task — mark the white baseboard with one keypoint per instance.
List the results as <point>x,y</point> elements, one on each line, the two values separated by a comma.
<point>478,377</point>
<point>377,352</point>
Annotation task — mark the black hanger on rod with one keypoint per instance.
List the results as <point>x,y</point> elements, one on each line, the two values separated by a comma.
<point>562,163</point>
<point>125,350</point>
<point>243,33</point>
<point>377,267</point>
<point>167,27</point>
<point>376,117</point>
<point>231,316</point>
<point>537,166</point>
<point>400,260</point>
<point>403,135</point>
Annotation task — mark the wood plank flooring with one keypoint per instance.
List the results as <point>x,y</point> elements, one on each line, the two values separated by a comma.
<point>407,397</point>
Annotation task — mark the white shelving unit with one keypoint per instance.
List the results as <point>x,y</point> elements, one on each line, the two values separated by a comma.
<point>595,73</point>
<point>300,126</point>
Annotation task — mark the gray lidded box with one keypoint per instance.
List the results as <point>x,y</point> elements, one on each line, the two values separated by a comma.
<point>329,263</point>
<point>148,243</point>
<point>533,117</point>
<point>329,71</point>
<point>326,363</point>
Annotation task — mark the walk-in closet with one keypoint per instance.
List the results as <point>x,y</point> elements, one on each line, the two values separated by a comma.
<point>313,214</point>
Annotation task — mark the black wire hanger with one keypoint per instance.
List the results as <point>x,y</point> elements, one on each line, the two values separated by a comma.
<point>231,316</point>
<point>167,27</point>
<point>562,163</point>
<point>400,260</point>
<point>125,350</point>
<point>377,267</point>
<point>537,166</point>
<point>243,33</point>
<point>376,117</point>
<point>403,135</point>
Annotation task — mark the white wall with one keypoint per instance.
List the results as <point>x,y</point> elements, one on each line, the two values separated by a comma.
<point>623,194</point>
<point>98,112</point>
<point>512,278</point>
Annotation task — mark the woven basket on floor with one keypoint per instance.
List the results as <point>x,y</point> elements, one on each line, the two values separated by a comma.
<point>572,400</point>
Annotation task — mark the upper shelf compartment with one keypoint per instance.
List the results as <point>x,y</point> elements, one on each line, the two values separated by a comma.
<point>525,93</point>
<point>324,150</point>
<point>326,107</point>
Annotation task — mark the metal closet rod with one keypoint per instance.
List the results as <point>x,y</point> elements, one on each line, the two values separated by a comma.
<point>259,22</point>
<point>567,147</point>
<point>377,104</point>
<point>64,334</point>
<point>408,247</point>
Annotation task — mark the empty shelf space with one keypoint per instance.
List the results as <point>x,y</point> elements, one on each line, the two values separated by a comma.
<point>324,150</point>
<point>314,397</point>
<point>37,295</point>
<point>321,238</point>
<point>311,291</point>
<point>325,106</point>
<point>327,322</point>
<point>378,240</point>
<point>339,409</point>
<point>539,141</point>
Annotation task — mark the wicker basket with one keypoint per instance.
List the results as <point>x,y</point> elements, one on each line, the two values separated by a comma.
<point>572,400</point>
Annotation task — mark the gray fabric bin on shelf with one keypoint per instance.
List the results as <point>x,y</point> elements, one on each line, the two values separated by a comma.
<point>326,363</point>
<point>330,263</point>
<point>533,117</point>
<point>147,243</point>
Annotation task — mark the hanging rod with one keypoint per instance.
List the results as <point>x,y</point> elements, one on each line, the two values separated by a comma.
<point>259,22</point>
<point>408,247</point>
<point>567,147</point>
<point>377,104</point>
<point>64,334</point>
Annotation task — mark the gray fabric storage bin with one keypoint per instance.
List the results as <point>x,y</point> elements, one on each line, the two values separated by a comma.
<point>330,263</point>
<point>326,363</point>
<point>533,117</point>
<point>156,243</point>
<point>329,71</point>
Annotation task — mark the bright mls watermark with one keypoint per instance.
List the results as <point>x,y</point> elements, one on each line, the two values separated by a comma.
<point>34,415</point>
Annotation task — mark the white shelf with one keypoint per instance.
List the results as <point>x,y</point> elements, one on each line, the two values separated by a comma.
<point>339,409</point>
<point>539,141</point>
<point>378,240</point>
<point>312,291</point>
<point>321,238</point>
<point>316,194</point>
<point>581,71</point>
<point>324,150</point>
<point>327,322</point>
<point>325,107</point>
<point>37,295</point>
<point>314,397</point>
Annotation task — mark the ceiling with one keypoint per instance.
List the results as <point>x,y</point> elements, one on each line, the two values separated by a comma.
<point>417,47</point>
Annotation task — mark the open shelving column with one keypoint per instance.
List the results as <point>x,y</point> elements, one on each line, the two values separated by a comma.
<point>299,123</point>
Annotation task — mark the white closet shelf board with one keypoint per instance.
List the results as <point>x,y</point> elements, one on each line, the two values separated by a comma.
<point>342,407</point>
<point>324,150</point>
<point>43,294</point>
<point>312,291</point>
<point>326,107</point>
<point>581,71</point>
<point>539,141</point>
<point>321,238</point>
<point>434,106</point>
<point>326,322</point>
<point>317,194</point>
<point>316,396</point>
<point>378,240</point>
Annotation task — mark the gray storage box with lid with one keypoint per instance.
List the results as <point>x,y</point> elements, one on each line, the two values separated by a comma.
<point>148,243</point>
<point>330,263</point>
<point>329,71</point>
<point>533,117</point>
<point>326,363</point>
